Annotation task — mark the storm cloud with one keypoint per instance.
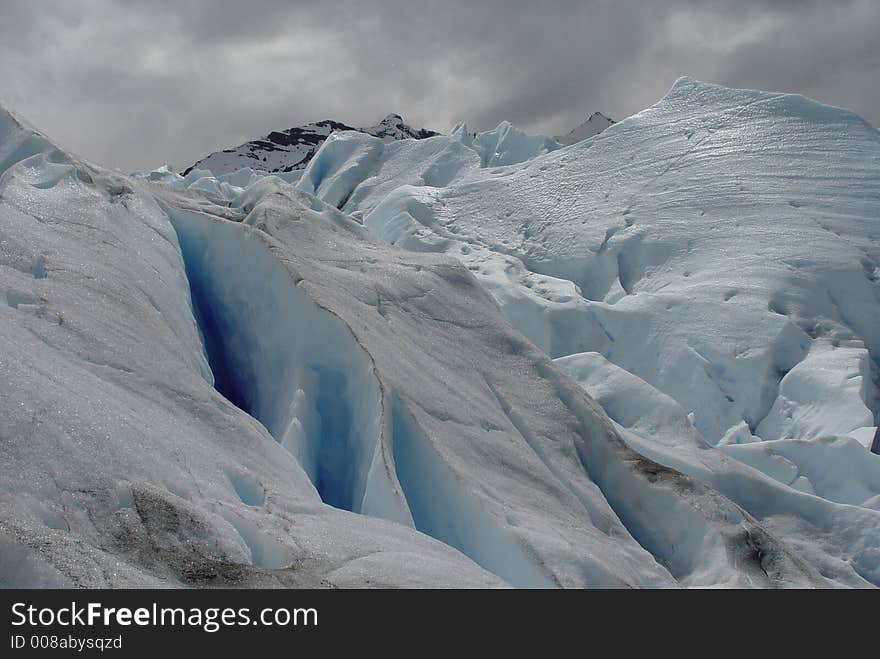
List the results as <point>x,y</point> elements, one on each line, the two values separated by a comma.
<point>133,85</point>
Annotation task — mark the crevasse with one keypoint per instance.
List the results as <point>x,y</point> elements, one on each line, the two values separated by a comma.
<point>299,371</point>
<point>277,356</point>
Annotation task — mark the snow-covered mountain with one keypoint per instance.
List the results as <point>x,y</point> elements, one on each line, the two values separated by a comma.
<point>595,124</point>
<point>647,359</point>
<point>291,149</point>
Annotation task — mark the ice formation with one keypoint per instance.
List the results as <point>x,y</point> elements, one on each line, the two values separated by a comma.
<point>646,359</point>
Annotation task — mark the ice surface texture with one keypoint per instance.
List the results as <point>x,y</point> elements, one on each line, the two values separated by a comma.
<point>239,382</point>
<point>122,465</point>
<point>720,248</point>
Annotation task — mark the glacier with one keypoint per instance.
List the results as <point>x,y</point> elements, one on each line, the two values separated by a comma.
<point>644,359</point>
<point>594,248</point>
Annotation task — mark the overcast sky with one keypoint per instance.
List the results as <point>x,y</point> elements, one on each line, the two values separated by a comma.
<point>133,85</point>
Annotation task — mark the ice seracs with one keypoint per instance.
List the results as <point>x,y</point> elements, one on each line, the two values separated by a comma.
<point>645,359</point>
<point>719,247</point>
<point>595,247</point>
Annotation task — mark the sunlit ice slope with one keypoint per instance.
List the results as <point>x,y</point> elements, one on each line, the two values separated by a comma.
<point>707,270</point>
<point>255,391</point>
<point>721,245</point>
<point>263,394</point>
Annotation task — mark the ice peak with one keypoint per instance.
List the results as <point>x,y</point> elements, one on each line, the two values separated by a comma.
<point>702,97</point>
<point>506,144</point>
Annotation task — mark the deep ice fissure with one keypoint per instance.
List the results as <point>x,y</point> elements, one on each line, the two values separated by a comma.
<point>297,369</point>
<point>281,359</point>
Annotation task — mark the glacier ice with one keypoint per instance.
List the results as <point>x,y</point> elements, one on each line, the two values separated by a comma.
<point>648,358</point>
<point>592,248</point>
<point>122,465</point>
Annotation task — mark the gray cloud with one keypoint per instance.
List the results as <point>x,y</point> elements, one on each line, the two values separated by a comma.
<point>136,84</point>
